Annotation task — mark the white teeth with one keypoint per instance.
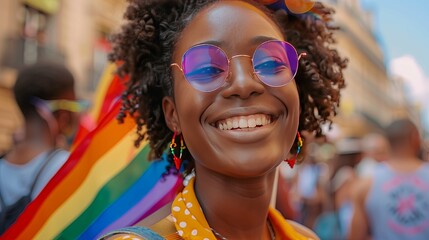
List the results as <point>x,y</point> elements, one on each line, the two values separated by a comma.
<point>229,124</point>
<point>235,123</point>
<point>243,122</point>
<point>252,123</point>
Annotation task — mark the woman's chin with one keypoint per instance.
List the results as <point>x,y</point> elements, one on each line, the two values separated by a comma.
<point>250,169</point>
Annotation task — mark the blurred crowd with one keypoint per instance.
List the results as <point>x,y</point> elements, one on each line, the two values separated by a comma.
<point>361,188</point>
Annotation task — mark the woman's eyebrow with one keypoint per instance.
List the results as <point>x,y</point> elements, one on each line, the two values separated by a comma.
<point>213,42</point>
<point>261,39</point>
<point>254,40</point>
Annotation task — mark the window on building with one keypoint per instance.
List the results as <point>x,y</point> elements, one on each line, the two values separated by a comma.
<point>31,44</point>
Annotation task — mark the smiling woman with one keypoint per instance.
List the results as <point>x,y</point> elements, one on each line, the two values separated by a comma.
<point>228,86</point>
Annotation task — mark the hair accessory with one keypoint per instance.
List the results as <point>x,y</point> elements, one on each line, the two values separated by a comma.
<point>69,105</point>
<point>76,106</point>
<point>173,145</point>
<point>292,160</point>
<point>291,6</point>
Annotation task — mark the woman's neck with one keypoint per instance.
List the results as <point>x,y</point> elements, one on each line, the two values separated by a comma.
<point>35,141</point>
<point>235,208</point>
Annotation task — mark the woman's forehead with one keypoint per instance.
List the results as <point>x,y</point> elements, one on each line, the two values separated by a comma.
<point>233,24</point>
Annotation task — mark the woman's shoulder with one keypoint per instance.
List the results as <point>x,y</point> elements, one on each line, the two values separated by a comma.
<point>159,225</point>
<point>303,230</point>
<point>134,232</point>
<point>162,230</point>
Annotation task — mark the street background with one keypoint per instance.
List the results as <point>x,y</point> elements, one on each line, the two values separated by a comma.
<point>387,77</point>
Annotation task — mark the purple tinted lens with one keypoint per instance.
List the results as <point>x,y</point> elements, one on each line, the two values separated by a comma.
<point>275,63</point>
<point>205,67</point>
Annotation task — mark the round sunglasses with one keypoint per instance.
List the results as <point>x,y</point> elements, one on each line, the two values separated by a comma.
<point>206,66</point>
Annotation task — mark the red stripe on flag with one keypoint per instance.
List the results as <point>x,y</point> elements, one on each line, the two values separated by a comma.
<point>70,176</point>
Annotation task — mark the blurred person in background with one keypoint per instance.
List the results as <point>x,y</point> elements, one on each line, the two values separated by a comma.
<point>285,197</point>
<point>375,150</point>
<point>334,223</point>
<point>308,186</point>
<point>46,97</point>
<point>394,202</point>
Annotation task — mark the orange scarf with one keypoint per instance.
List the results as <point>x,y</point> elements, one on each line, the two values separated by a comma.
<point>191,224</point>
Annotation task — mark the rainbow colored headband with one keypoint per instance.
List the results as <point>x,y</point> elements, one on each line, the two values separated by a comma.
<point>61,104</point>
<point>291,6</point>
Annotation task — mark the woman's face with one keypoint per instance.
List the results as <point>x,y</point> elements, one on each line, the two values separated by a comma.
<point>238,28</point>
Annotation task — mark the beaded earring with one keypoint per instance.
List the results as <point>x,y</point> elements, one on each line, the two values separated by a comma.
<point>173,145</point>
<point>292,160</point>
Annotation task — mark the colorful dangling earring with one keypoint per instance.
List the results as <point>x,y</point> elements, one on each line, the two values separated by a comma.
<point>173,145</point>
<point>292,160</point>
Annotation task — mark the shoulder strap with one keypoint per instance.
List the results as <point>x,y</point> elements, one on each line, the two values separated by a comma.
<point>2,203</point>
<point>49,156</point>
<point>134,231</point>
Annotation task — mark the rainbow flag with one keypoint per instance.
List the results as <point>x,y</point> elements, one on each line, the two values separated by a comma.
<point>109,91</point>
<point>105,184</point>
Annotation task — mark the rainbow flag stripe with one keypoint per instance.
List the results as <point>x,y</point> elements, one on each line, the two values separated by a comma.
<point>105,184</point>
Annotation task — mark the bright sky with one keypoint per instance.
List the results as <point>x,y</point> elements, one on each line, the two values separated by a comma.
<point>402,30</point>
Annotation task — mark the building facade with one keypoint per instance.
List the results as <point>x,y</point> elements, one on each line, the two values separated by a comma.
<point>371,99</point>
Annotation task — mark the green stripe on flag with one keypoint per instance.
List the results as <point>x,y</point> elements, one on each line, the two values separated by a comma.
<point>108,194</point>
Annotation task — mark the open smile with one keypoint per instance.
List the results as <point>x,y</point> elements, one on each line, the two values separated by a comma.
<point>246,128</point>
<point>244,122</point>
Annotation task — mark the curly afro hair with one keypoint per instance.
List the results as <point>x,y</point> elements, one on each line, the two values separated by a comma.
<point>145,45</point>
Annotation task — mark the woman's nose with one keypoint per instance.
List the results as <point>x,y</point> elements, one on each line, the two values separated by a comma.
<point>242,81</point>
